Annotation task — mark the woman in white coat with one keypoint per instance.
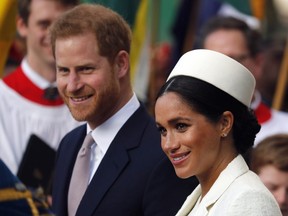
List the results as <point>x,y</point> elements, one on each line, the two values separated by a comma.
<point>206,125</point>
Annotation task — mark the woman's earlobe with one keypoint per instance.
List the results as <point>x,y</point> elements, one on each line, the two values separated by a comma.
<point>227,123</point>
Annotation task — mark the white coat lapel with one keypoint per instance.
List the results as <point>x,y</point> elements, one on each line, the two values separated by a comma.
<point>190,202</point>
<point>234,169</point>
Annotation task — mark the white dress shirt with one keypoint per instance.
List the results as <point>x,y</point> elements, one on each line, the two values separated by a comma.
<point>104,134</point>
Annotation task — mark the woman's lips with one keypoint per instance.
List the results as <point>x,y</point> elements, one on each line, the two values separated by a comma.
<point>179,157</point>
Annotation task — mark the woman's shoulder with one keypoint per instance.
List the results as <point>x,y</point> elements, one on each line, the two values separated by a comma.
<point>248,194</point>
<point>247,183</point>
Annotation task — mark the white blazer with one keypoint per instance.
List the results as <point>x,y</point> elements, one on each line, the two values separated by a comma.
<point>236,192</point>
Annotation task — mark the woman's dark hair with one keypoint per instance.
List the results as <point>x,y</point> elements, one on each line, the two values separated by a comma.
<point>211,102</point>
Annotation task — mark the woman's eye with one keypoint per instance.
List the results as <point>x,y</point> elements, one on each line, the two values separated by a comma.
<point>181,127</point>
<point>161,130</point>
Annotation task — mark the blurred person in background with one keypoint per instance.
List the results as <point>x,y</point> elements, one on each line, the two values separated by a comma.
<point>233,37</point>
<point>33,116</point>
<point>269,159</point>
<point>274,59</point>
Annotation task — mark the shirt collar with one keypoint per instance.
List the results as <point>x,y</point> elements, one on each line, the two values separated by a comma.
<point>38,80</point>
<point>106,132</point>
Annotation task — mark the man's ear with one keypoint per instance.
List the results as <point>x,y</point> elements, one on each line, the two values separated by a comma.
<point>226,121</point>
<point>21,27</point>
<point>122,63</point>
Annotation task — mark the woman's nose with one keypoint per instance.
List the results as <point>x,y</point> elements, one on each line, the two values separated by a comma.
<point>170,143</point>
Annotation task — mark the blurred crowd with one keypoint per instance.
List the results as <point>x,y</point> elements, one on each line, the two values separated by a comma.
<point>253,34</point>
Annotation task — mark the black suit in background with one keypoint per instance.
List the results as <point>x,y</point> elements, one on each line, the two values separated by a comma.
<point>134,178</point>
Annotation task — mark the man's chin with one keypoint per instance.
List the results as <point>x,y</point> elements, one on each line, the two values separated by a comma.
<point>78,115</point>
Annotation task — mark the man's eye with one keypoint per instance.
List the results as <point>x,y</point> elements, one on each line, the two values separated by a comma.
<point>87,69</point>
<point>44,24</point>
<point>62,70</point>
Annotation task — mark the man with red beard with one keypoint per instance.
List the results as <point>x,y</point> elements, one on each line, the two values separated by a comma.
<point>123,170</point>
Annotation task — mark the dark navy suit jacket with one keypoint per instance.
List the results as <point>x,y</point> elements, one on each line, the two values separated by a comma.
<point>134,178</point>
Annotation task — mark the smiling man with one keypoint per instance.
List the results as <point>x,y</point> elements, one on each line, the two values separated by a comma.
<point>123,171</point>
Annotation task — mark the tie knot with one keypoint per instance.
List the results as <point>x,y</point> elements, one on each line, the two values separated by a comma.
<point>87,143</point>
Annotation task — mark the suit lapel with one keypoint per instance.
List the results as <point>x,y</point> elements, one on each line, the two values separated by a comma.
<point>114,162</point>
<point>70,149</point>
<point>109,169</point>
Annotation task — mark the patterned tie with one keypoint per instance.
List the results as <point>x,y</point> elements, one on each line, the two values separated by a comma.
<point>80,176</point>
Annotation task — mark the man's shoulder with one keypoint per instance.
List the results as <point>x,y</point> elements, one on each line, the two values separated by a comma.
<point>279,114</point>
<point>15,80</point>
<point>279,118</point>
<point>13,76</point>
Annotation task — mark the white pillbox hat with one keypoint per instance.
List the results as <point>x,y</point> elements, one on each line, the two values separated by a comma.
<point>219,70</point>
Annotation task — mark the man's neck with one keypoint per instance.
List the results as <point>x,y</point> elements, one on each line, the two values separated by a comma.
<point>44,69</point>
